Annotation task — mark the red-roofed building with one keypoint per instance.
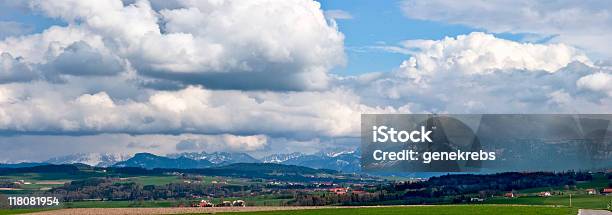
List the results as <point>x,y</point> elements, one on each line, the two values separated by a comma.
<point>338,190</point>
<point>591,191</point>
<point>204,203</point>
<point>544,194</point>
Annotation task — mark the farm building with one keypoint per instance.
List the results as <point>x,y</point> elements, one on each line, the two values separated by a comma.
<point>544,194</point>
<point>591,191</point>
<point>238,203</point>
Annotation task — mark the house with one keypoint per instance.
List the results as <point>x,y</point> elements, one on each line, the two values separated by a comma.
<point>591,191</point>
<point>606,191</point>
<point>339,190</point>
<point>476,199</point>
<point>544,194</point>
<point>22,182</point>
<point>205,204</point>
<point>509,195</point>
<point>238,203</point>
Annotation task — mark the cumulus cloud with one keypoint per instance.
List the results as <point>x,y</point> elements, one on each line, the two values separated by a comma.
<point>582,24</point>
<point>253,76</point>
<point>599,82</point>
<point>19,148</point>
<point>478,53</point>
<point>194,109</point>
<point>217,44</point>
<point>15,70</point>
<point>475,73</point>
<point>479,73</point>
<point>80,58</point>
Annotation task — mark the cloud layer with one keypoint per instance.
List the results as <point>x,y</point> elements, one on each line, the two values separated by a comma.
<point>479,73</point>
<point>584,24</point>
<point>254,75</point>
<point>218,44</point>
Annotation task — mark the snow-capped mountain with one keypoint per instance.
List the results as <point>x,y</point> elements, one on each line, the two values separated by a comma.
<point>92,159</point>
<point>338,153</point>
<point>280,158</point>
<point>218,158</point>
<point>344,162</point>
<point>151,161</point>
<point>341,160</point>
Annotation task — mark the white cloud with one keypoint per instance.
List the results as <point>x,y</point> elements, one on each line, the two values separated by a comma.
<point>223,143</point>
<point>478,53</point>
<point>586,25</point>
<point>19,148</point>
<point>207,62</point>
<point>338,14</point>
<point>14,69</point>
<point>474,73</point>
<point>218,44</point>
<point>479,73</point>
<point>193,110</point>
<point>599,82</point>
<point>80,58</point>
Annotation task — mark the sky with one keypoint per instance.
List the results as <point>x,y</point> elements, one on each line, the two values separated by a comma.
<point>272,76</point>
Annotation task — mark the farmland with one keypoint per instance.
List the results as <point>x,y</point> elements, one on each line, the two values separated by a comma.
<point>579,201</point>
<point>273,187</point>
<point>331,210</point>
<point>447,210</point>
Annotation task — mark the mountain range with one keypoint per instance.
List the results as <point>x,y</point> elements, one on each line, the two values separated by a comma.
<point>217,158</point>
<point>151,161</point>
<point>344,161</point>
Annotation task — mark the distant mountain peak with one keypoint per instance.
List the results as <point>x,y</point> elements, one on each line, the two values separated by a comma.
<point>151,161</point>
<point>218,158</point>
<point>279,158</point>
<point>92,159</point>
<point>338,153</point>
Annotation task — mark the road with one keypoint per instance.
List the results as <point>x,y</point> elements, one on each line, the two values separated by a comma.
<point>593,212</point>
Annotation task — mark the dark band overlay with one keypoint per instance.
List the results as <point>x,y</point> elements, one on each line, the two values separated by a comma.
<point>485,142</point>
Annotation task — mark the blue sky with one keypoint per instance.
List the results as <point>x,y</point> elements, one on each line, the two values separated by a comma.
<point>376,22</point>
<point>18,13</point>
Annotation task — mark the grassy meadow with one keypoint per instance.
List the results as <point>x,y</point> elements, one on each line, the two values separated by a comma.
<point>409,210</point>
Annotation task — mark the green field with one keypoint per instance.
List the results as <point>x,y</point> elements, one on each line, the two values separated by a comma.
<point>19,211</point>
<point>599,181</point>
<point>446,210</point>
<point>155,180</point>
<point>408,210</point>
<point>579,201</point>
<point>263,200</point>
